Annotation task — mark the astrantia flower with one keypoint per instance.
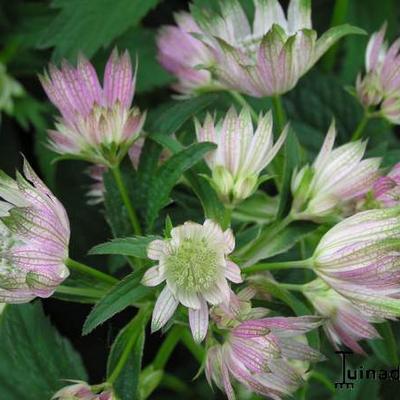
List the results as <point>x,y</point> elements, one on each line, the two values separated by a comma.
<point>386,190</point>
<point>183,55</point>
<point>195,267</point>
<point>380,87</point>
<point>35,233</point>
<point>96,123</point>
<point>82,391</point>
<point>260,354</point>
<point>242,153</point>
<point>336,178</point>
<point>360,259</point>
<point>271,56</point>
<point>345,323</point>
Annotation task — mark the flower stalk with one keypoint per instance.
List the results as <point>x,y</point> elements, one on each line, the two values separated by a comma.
<point>278,266</point>
<point>86,270</point>
<point>279,112</point>
<point>357,134</point>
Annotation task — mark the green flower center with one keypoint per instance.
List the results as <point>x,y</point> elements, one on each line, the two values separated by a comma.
<point>193,266</point>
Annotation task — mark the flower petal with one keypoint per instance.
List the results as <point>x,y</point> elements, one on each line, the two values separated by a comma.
<point>164,308</point>
<point>198,320</point>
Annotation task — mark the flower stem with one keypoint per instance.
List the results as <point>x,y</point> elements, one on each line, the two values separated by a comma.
<point>279,112</point>
<point>137,322</point>
<point>125,198</point>
<point>86,270</point>
<point>277,266</point>
<point>243,102</point>
<point>196,349</point>
<point>292,286</point>
<point>168,347</point>
<point>357,134</point>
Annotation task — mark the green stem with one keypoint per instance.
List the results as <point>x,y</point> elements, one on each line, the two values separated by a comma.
<point>278,266</point>
<point>324,380</point>
<point>78,291</point>
<point>292,286</point>
<point>339,17</point>
<point>168,347</point>
<point>279,112</point>
<point>125,198</point>
<point>144,314</point>
<point>86,270</point>
<point>226,222</point>
<point>243,103</point>
<point>196,350</point>
<point>360,128</point>
<point>170,381</point>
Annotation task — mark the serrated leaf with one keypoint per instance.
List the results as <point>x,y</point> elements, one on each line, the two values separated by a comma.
<point>131,246</point>
<point>126,386</point>
<point>168,174</point>
<point>86,25</point>
<point>122,295</point>
<point>34,358</point>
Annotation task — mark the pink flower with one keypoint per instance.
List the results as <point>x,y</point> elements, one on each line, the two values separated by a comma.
<point>82,391</point>
<point>345,323</point>
<point>269,57</point>
<point>359,259</point>
<point>96,123</point>
<point>337,178</point>
<point>380,87</point>
<point>183,55</point>
<point>194,264</point>
<point>261,354</point>
<point>242,152</point>
<point>386,189</point>
<point>35,236</point>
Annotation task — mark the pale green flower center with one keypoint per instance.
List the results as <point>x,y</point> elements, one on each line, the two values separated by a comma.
<point>193,266</point>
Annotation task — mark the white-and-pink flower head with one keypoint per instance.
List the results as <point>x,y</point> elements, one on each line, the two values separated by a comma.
<point>242,152</point>
<point>180,53</point>
<point>344,323</point>
<point>35,232</point>
<point>359,258</point>
<point>79,390</point>
<point>380,86</point>
<point>195,267</point>
<point>269,57</point>
<point>96,123</point>
<point>260,353</point>
<point>337,178</point>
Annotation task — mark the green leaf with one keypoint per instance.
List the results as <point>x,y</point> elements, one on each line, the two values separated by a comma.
<point>175,116</point>
<point>122,295</point>
<point>385,348</point>
<point>131,246</point>
<point>270,243</point>
<point>126,386</point>
<point>330,37</point>
<point>34,358</point>
<point>294,303</point>
<point>141,44</point>
<point>168,174</point>
<point>86,25</point>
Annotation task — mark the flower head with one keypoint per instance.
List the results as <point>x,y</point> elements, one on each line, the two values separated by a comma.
<point>241,153</point>
<point>345,323</point>
<point>259,353</point>
<point>380,87</point>
<point>35,233</point>
<point>82,391</point>
<point>96,123</point>
<point>386,190</point>
<point>270,57</point>
<point>336,179</point>
<point>359,259</point>
<point>194,264</point>
<point>182,54</point>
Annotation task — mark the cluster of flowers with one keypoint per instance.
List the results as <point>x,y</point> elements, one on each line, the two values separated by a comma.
<point>356,262</point>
